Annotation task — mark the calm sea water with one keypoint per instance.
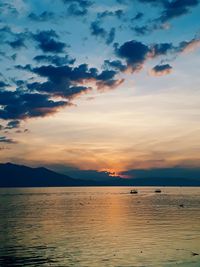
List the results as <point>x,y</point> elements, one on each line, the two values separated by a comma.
<point>99,226</point>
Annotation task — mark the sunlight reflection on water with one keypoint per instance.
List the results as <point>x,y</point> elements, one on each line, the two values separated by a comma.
<point>99,226</point>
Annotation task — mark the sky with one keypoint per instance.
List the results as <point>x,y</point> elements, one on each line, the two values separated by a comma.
<point>100,85</point>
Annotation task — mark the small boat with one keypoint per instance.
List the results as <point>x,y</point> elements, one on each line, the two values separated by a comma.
<point>133,191</point>
<point>157,191</point>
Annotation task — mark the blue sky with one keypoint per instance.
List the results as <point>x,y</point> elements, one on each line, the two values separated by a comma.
<point>105,85</point>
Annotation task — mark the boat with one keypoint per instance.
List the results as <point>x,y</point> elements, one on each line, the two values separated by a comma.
<point>157,191</point>
<point>133,191</point>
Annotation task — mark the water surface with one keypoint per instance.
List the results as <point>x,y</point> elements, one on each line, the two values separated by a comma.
<point>99,226</point>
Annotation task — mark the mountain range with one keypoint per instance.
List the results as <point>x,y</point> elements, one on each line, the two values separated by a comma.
<point>12,175</point>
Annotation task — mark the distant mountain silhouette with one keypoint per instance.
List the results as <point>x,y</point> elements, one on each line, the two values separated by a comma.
<point>170,176</point>
<point>12,175</point>
<point>160,181</point>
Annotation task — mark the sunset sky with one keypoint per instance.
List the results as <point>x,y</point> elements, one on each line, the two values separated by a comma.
<point>100,85</point>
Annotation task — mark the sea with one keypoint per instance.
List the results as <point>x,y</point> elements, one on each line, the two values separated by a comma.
<point>100,226</point>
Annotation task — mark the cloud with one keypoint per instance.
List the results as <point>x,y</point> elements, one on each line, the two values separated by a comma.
<point>117,13</point>
<point>68,81</point>
<point>4,139</point>
<point>6,8</point>
<point>168,9</point>
<point>160,70</point>
<point>15,40</point>
<point>176,8</point>
<point>36,99</point>
<point>43,17</point>
<point>161,49</point>
<point>52,75</point>
<point>12,124</point>
<point>134,52</point>
<point>77,7</point>
<point>115,64</point>
<point>75,10</point>
<point>81,3</point>
<point>173,8</point>
<point>47,41</point>
<point>154,2</point>
<point>141,30</point>
<point>189,46</point>
<point>138,16</point>
<point>3,84</point>
<point>149,27</point>
<point>14,56</point>
<point>55,60</point>
<point>16,105</point>
<point>17,44</point>
<point>111,36</point>
<point>98,31</point>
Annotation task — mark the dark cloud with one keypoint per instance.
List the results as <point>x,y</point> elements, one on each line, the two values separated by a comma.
<point>176,8</point>
<point>82,3</point>
<point>188,46</point>
<point>64,81</point>
<point>16,105</point>
<point>111,36</point>
<point>14,56</point>
<point>141,30</point>
<point>122,1</point>
<point>53,82</point>
<point>138,16</point>
<point>155,2</point>
<point>76,10</point>
<point>3,84</point>
<point>149,27</point>
<point>5,30</point>
<point>15,40</point>
<point>4,139</point>
<point>160,70</point>
<point>67,81</point>
<point>98,31</point>
<point>18,43</point>
<point>13,124</point>
<point>55,60</point>
<point>115,64</point>
<point>162,49</point>
<point>19,67</point>
<point>134,52</point>
<point>43,17</point>
<point>62,89</point>
<point>47,41</point>
<point>106,75</point>
<point>172,9</point>
<point>117,13</point>
<point>77,7</point>
<point>168,9</point>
